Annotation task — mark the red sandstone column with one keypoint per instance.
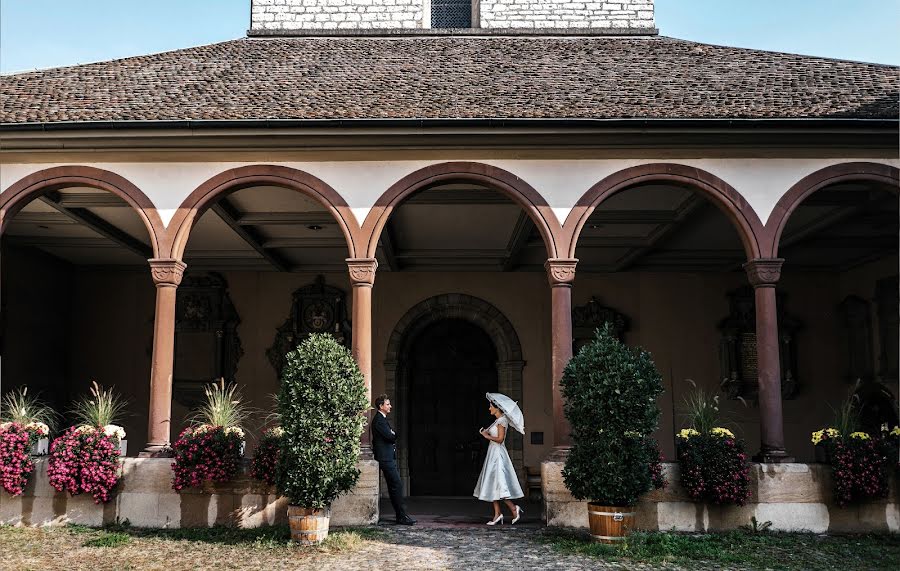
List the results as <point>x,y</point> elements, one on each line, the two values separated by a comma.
<point>561,273</point>
<point>362,276</point>
<point>167,274</point>
<point>763,275</point>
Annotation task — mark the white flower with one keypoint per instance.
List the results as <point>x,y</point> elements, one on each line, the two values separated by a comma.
<point>235,430</point>
<point>114,431</point>
<point>5,425</point>
<point>85,429</point>
<point>202,429</point>
<point>277,432</point>
<point>39,428</point>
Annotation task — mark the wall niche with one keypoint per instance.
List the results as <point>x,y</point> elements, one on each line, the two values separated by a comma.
<point>207,346</point>
<point>315,308</point>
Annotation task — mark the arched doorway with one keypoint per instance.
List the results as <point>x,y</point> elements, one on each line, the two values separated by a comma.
<point>427,382</point>
<point>451,364</point>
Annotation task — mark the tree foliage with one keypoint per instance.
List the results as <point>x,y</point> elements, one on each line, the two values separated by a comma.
<point>322,406</point>
<point>610,393</point>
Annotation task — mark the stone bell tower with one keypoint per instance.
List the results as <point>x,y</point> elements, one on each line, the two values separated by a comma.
<point>288,17</point>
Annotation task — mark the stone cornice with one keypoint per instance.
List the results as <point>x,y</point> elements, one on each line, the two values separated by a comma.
<point>561,271</point>
<point>764,272</point>
<point>362,270</point>
<point>167,271</point>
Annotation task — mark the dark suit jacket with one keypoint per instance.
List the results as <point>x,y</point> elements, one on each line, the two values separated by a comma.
<point>383,439</point>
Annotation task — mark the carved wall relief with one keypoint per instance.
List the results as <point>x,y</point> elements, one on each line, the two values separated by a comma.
<point>207,346</point>
<point>315,308</point>
<point>737,352</point>
<point>588,317</point>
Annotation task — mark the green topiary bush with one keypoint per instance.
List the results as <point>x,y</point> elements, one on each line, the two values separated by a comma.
<point>610,395</point>
<point>322,406</point>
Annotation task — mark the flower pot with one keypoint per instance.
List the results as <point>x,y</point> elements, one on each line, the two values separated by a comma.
<point>609,524</point>
<point>41,447</point>
<point>123,447</point>
<point>308,526</point>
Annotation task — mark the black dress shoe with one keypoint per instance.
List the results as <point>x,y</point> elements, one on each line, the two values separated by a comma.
<point>406,520</point>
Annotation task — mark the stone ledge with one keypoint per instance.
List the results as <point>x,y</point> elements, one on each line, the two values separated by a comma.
<point>473,32</point>
<point>794,497</point>
<point>145,498</point>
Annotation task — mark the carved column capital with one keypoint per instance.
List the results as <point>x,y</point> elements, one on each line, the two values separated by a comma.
<point>362,271</point>
<point>764,272</point>
<point>167,271</point>
<point>561,271</point>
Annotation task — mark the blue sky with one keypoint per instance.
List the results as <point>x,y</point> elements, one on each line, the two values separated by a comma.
<point>49,33</point>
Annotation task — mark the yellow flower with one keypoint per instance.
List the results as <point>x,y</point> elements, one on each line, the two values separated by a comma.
<point>687,433</point>
<point>895,431</point>
<point>860,435</point>
<point>724,432</point>
<point>817,436</point>
<point>832,432</point>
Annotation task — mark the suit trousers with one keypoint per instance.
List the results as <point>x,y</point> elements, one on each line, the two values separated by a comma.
<point>394,485</point>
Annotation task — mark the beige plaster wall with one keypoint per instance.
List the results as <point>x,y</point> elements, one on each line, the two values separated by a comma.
<point>761,181</point>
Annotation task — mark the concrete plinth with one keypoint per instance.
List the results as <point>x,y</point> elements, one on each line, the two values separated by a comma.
<point>794,497</point>
<point>145,498</point>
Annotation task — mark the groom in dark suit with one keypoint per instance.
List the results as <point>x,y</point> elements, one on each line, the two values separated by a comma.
<point>384,446</point>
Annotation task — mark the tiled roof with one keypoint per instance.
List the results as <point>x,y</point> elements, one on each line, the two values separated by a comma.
<point>432,77</point>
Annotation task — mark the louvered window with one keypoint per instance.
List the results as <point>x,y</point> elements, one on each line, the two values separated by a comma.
<point>451,13</point>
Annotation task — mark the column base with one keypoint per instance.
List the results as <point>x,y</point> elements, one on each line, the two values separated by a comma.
<point>153,450</point>
<point>773,456</point>
<point>558,454</point>
<point>365,452</point>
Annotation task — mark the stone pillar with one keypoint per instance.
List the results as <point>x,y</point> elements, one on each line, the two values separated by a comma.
<point>362,276</point>
<point>561,273</point>
<point>167,274</point>
<point>763,275</point>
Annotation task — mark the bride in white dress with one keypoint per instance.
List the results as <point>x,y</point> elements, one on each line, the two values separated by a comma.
<point>498,479</point>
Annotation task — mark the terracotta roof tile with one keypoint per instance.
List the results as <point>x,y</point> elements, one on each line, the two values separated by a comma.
<point>453,77</point>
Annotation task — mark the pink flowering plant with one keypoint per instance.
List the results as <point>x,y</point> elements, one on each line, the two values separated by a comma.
<point>16,464</point>
<point>265,462</point>
<point>861,464</point>
<point>84,459</point>
<point>211,449</point>
<point>713,463</point>
<point>24,420</point>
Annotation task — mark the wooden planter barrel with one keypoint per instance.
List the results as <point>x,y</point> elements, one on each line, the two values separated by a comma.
<point>610,524</point>
<point>308,526</point>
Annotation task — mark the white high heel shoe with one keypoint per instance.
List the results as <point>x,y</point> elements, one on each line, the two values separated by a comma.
<point>494,521</point>
<point>519,512</point>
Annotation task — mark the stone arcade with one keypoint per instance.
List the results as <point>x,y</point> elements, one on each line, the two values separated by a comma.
<point>460,192</point>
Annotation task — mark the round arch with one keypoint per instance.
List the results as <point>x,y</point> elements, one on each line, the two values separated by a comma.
<point>20,193</point>
<point>514,187</point>
<point>484,315</point>
<point>235,179</point>
<point>834,174</point>
<point>722,194</point>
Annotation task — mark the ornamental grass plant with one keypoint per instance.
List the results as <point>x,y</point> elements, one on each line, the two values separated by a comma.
<point>19,407</point>
<point>322,405</point>
<point>610,393</point>
<point>713,463</point>
<point>210,450</point>
<point>103,407</point>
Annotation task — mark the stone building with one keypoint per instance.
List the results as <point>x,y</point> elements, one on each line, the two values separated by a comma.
<point>461,192</point>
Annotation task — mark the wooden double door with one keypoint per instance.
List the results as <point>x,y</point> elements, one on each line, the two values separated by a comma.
<point>452,363</point>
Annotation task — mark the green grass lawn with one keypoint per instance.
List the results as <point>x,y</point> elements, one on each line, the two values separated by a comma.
<point>760,550</point>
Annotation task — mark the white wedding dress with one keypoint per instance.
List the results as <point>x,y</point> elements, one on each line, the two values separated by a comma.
<point>498,479</point>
